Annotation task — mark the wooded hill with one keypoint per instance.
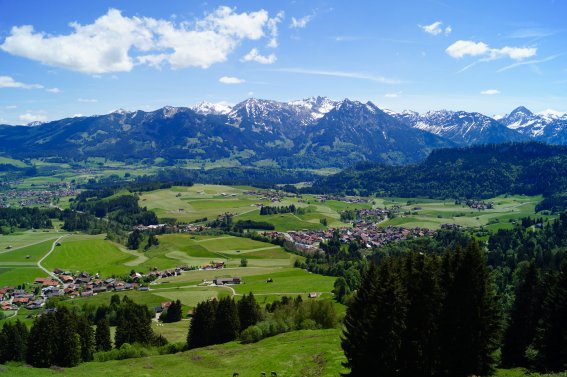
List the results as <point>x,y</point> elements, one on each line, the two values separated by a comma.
<point>474,172</point>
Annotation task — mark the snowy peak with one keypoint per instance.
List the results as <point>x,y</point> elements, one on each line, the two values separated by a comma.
<point>461,127</point>
<point>209,108</point>
<point>521,111</point>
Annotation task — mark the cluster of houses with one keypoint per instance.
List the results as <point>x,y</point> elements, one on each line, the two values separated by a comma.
<point>30,197</point>
<point>368,233</point>
<point>273,196</point>
<point>479,204</point>
<point>370,214</point>
<point>344,199</point>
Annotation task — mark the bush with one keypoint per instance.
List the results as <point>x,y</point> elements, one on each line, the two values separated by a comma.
<point>126,351</point>
<point>252,334</point>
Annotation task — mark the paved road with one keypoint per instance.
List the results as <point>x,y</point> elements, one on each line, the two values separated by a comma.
<point>46,255</point>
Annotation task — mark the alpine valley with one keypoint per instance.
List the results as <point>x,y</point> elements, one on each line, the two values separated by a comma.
<point>312,133</point>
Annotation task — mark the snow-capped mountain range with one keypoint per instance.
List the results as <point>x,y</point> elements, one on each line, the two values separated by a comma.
<point>313,132</point>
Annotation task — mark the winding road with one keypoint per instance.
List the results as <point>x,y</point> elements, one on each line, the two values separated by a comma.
<point>46,255</point>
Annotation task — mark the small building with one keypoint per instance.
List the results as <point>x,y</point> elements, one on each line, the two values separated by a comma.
<point>312,295</point>
<point>227,281</point>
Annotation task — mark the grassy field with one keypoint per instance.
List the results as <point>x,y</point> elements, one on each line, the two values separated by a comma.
<point>299,353</point>
<point>89,253</point>
<point>14,276</point>
<point>432,213</point>
<point>20,239</point>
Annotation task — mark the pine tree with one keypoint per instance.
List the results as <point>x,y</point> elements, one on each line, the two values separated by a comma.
<point>42,344</point>
<point>419,350</point>
<point>173,313</point>
<point>374,323</point>
<point>249,312</point>
<point>202,329</point>
<point>87,341</point>
<point>102,336</point>
<point>524,316</point>
<point>227,324</point>
<point>68,350</point>
<point>470,319</point>
<point>552,334</point>
<point>13,342</point>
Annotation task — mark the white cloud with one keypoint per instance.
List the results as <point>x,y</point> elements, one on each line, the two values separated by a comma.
<point>461,48</point>
<point>352,75</point>
<point>53,90</point>
<point>87,100</point>
<point>393,95</point>
<point>273,28</point>
<point>231,80</point>
<point>29,117</point>
<point>115,43</point>
<point>436,28</point>
<point>9,82</point>
<point>255,56</point>
<point>300,23</point>
<point>10,107</point>
<point>490,92</point>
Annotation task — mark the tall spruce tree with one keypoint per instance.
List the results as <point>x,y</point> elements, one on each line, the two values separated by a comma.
<point>249,312</point>
<point>87,340</point>
<point>227,324</point>
<point>42,344</point>
<point>68,350</point>
<point>202,329</point>
<point>551,342</point>
<point>470,321</point>
<point>102,336</point>
<point>374,323</point>
<point>524,317</point>
<point>419,354</point>
<point>13,342</point>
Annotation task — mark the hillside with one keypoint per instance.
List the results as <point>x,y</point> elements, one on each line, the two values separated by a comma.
<point>472,172</point>
<point>298,353</point>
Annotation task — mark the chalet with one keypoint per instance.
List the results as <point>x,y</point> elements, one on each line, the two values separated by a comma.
<point>86,293</point>
<point>58,271</point>
<point>35,304</point>
<point>5,305</point>
<point>98,290</point>
<point>66,279</point>
<point>53,292</point>
<point>20,300</point>
<point>226,281</point>
<point>166,305</point>
<point>1,297</point>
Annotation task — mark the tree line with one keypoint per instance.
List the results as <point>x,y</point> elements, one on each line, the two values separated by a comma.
<point>66,338</point>
<point>424,315</point>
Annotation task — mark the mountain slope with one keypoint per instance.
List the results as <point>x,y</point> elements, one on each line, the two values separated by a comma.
<point>549,126</point>
<point>473,172</point>
<point>463,128</point>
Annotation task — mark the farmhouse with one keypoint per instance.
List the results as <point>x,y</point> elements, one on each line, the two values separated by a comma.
<point>226,281</point>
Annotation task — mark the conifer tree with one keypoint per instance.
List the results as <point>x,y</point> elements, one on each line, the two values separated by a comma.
<point>524,316</point>
<point>13,342</point>
<point>470,320</point>
<point>201,331</point>
<point>248,311</point>
<point>86,336</point>
<point>68,349</point>
<point>42,345</point>
<point>551,342</point>
<point>375,322</point>
<point>102,336</point>
<point>227,324</point>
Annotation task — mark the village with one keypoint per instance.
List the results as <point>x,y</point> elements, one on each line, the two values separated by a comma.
<point>33,197</point>
<point>71,285</point>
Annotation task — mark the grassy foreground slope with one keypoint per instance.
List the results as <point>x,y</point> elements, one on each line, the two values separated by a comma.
<point>298,353</point>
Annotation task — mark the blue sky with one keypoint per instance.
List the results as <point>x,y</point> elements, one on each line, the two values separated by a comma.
<point>59,58</point>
